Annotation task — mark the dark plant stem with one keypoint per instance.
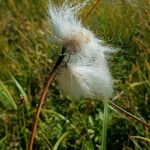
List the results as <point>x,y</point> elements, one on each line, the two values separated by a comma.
<point>43,97</point>
<point>145,124</point>
<point>95,4</point>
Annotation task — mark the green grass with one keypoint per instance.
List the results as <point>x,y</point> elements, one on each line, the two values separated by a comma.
<point>27,54</point>
<point>104,130</point>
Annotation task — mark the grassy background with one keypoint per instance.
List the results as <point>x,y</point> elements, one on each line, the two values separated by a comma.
<point>27,54</point>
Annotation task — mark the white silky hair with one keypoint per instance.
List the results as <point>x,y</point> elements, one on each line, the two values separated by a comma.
<point>86,74</point>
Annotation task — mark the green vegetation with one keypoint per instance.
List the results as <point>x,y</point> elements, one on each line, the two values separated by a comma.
<point>27,55</point>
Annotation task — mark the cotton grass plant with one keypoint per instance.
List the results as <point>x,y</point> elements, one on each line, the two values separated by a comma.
<point>86,74</point>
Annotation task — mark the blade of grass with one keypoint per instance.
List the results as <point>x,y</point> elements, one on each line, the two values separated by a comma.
<point>140,138</point>
<point>63,118</point>
<point>60,140</point>
<point>21,90</point>
<point>46,140</point>
<point>2,140</point>
<point>104,131</point>
<point>137,146</point>
<point>5,93</point>
<point>145,124</point>
<point>22,131</point>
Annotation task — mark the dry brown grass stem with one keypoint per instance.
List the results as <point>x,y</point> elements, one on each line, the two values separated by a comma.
<point>129,115</point>
<point>43,97</point>
<point>92,8</point>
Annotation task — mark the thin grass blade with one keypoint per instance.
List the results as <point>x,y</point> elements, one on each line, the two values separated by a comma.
<point>104,131</point>
<point>56,146</point>
<point>6,97</point>
<point>21,90</point>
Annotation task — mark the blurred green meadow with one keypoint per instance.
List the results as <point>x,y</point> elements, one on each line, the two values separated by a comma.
<point>27,54</point>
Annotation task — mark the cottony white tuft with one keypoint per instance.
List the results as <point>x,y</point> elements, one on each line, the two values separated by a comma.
<point>86,73</point>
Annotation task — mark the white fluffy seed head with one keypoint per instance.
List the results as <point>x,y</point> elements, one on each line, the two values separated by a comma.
<point>67,29</point>
<point>86,76</point>
<point>86,73</point>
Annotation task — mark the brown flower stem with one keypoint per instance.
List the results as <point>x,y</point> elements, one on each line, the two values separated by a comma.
<point>145,124</point>
<point>95,4</point>
<point>43,96</point>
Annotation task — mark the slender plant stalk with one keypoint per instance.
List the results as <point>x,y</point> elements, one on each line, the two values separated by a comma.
<point>145,124</point>
<point>140,138</point>
<point>104,131</point>
<point>92,8</point>
<point>43,96</point>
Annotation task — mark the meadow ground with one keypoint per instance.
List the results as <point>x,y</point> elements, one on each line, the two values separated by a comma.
<point>27,55</point>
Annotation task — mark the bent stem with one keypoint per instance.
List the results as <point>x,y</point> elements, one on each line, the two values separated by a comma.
<point>104,131</point>
<point>56,146</point>
<point>43,97</point>
<point>129,115</point>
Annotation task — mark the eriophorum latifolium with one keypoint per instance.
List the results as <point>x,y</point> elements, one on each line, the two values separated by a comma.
<point>27,53</point>
<point>86,73</point>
